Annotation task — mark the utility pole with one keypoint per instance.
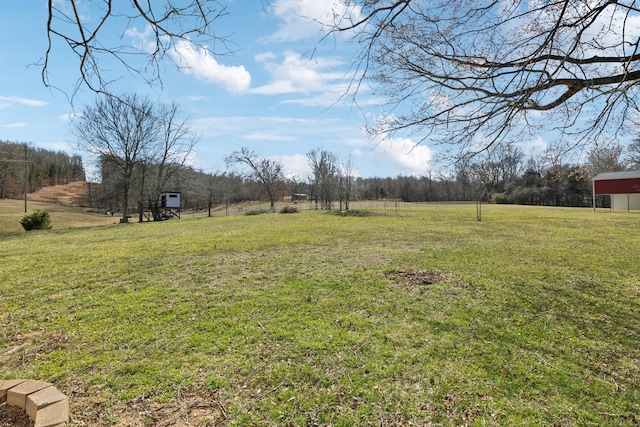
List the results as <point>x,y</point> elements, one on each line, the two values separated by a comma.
<point>26,178</point>
<point>26,173</point>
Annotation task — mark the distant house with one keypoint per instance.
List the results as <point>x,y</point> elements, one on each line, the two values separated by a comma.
<point>623,187</point>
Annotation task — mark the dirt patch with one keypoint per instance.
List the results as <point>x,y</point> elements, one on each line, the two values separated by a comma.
<point>419,278</point>
<point>202,409</point>
<point>10,416</point>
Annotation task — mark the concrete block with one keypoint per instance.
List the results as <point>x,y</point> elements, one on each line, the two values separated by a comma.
<point>53,415</point>
<point>17,396</point>
<point>41,399</point>
<point>5,385</point>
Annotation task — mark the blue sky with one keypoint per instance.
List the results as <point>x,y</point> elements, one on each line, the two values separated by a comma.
<point>269,95</point>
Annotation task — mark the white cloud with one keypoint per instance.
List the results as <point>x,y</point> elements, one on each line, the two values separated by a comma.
<point>611,34</point>
<point>324,99</point>
<point>265,57</point>
<point>294,166</point>
<point>307,18</point>
<point>144,41</point>
<point>338,94</point>
<point>8,101</point>
<point>15,125</point>
<point>195,60</point>
<point>295,74</point>
<point>275,88</point>
<point>606,35</point>
<point>411,158</point>
<point>198,62</point>
<point>267,136</point>
<point>272,127</point>
<point>69,116</point>
<point>533,146</point>
<point>196,98</point>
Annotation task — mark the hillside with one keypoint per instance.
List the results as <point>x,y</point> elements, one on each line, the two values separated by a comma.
<point>72,194</point>
<point>67,205</point>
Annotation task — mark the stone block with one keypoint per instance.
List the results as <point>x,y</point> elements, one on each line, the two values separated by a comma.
<point>56,414</point>
<point>17,396</point>
<point>5,385</point>
<point>41,399</point>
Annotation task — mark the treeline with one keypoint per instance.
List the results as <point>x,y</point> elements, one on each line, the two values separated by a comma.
<point>42,167</point>
<point>503,174</point>
<point>564,185</point>
<point>500,175</point>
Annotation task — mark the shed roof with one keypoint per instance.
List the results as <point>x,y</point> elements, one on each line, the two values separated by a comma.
<point>616,175</point>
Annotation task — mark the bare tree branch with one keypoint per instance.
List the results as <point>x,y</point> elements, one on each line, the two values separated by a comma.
<point>87,29</point>
<point>456,73</point>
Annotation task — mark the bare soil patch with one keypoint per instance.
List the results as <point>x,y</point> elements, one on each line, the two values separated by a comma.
<point>10,416</point>
<point>419,278</point>
<point>202,409</point>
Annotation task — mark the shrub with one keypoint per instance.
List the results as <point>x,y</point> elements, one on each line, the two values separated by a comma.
<point>502,198</point>
<point>289,209</point>
<point>256,212</point>
<point>354,212</point>
<point>37,220</point>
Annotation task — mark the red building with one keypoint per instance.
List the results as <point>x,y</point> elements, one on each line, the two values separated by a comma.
<point>623,187</point>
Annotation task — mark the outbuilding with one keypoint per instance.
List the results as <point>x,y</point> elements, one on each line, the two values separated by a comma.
<point>169,199</point>
<point>623,187</point>
<point>169,204</point>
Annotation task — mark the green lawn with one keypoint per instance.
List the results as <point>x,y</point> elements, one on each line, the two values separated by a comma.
<point>419,316</point>
<point>11,211</point>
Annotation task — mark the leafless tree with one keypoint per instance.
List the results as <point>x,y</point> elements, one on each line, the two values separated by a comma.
<point>172,149</point>
<point>266,171</point>
<point>605,159</point>
<point>87,29</point>
<point>469,73</point>
<point>132,135</point>
<point>214,187</point>
<point>632,154</point>
<point>346,182</point>
<point>324,167</point>
<point>495,166</point>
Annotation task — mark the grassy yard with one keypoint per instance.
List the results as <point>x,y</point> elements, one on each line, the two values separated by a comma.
<point>420,316</point>
<point>11,211</point>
